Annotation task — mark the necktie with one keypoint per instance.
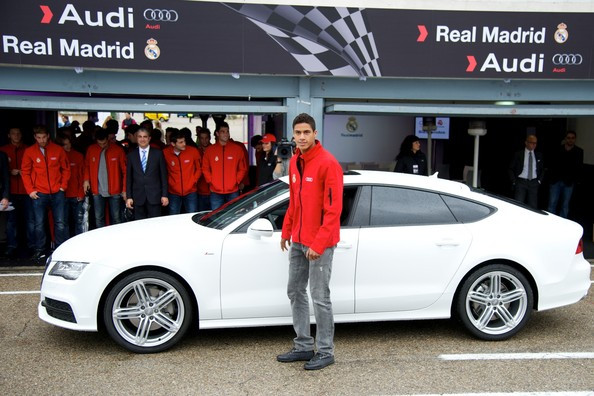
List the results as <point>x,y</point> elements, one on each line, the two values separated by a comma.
<point>143,160</point>
<point>530,166</point>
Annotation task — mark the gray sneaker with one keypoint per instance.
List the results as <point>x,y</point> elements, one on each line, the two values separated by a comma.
<point>319,361</point>
<point>294,355</point>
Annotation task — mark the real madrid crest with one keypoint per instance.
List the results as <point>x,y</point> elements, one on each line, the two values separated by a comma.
<point>352,125</point>
<point>172,163</point>
<point>38,160</point>
<point>294,178</point>
<point>216,158</point>
<point>152,51</point>
<point>561,35</point>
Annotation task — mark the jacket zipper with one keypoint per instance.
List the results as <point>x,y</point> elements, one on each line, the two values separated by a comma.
<point>301,172</point>
<point>223,159</point>
<point>181,176</point>
<point>49,185</point>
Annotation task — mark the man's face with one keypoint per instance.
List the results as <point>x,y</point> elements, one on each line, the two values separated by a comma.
<point>102,143</point>
<point>305,138</point>
<point>570,140</point>
<point>204,139</point>
<point>42,139</point>
<point>531,143</point>
<point>67,145</point>
<point>143,139</point>
<point>179,144</point>
<point>15,136</point>
<point>224,135</point>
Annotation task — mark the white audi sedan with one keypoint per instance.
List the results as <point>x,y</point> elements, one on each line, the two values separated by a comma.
<point>410,247</point>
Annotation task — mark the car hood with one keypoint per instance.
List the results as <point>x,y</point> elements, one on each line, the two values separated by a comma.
<point>141,238</point>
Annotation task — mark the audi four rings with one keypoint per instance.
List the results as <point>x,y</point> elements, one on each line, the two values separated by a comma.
<point>156,15</point>
<point>567,59</point>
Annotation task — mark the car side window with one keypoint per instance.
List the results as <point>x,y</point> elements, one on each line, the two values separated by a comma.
<point>467,211</point>
<point>395,206</point>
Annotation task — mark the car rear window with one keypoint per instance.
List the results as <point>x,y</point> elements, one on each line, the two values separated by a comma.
<point>467,211</point>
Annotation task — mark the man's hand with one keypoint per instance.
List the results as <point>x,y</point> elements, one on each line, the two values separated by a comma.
<point>15,172</point>
<point>284,243</point>
<point>130,203</point>
<point>164,201</point>
<point>312,255</point>
<point>86,186</point>
<point>34,195</point>
<point>4,203</point>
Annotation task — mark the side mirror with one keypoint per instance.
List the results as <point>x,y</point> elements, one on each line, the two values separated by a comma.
<point>260,228</point>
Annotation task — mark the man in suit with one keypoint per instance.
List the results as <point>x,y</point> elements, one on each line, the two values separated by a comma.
<point>146,178</point>
<point>526,173</point>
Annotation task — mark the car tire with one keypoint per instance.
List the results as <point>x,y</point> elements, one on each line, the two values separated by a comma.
<point>495,302</point>
<point>147,312</point>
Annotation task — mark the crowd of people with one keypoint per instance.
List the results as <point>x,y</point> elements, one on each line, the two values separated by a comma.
<point>84,178</point>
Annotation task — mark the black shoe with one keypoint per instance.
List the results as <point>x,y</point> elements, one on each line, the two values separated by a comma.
<point>10,253</point>
<point>294,355</point>
<point>319,361</point>
<point>38,256</point>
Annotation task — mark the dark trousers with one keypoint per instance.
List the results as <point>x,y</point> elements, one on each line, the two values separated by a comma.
<point>526,191</point>
<point>146,210</point>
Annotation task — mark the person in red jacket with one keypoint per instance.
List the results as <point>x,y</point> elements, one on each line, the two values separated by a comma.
<point>183,172</point>
<point>75,195</point>
<point>105,177</point>
<point>22,215</point>
<point>312,223</point>
<point>224,168</point>
<point>45,172</point>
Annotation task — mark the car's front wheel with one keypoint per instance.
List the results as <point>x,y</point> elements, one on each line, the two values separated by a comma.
<point>495,302</point>
<point>147,312</point>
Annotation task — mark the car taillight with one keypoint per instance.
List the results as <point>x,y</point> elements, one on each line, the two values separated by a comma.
<point>580,247</point>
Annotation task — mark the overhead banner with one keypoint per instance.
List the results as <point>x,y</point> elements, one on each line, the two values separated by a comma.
<point>207,37</point>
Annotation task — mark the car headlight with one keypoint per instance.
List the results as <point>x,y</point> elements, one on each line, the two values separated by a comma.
<point>70,270</point>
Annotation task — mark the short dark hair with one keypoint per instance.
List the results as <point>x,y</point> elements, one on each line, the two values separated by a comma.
<point>141,129</point>
<point>572,132</point>
<point>101,134</point>
<point>305,118</point>
<point>205,131</point>
<point>222,125</point>
<point>176,135</point>
<point>40,129</point>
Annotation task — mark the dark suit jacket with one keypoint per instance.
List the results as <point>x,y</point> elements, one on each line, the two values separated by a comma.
<point>517,164</point>
<point>149,186</point>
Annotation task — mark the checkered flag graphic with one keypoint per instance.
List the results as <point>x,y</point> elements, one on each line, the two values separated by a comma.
<point>325,40</point>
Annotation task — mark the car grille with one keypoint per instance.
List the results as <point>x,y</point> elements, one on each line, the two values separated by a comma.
<point>59,310</point>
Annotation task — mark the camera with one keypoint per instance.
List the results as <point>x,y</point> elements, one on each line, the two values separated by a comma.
<point>285,149</point>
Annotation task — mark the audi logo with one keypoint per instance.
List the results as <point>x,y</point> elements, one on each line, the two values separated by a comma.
<point>567,59</point>
<point>155,15</point>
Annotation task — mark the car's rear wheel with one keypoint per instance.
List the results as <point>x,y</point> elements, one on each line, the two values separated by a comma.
<point>147,312</point>
<point>495,302</point>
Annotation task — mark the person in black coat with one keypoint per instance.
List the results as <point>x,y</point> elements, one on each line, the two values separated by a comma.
<point>268,160</point>
<point>526,172</point>
<point>146,189</point>
<point>411,159</point>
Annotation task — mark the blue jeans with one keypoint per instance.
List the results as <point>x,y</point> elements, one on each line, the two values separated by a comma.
<point>115,209</point>
<point>189,201</point>
<point>57,202</point>
<point>203,202</point>
<point>218,200</point>
<point>563,191</point>
<point>318,273</point>
<point>74,210</point>
<point>22,214</point>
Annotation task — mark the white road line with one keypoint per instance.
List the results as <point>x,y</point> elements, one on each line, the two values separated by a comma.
<point>8,293</point>
<point>519,356</point>
<point>27,274</point>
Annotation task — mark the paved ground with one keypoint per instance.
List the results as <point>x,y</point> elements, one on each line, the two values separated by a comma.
<point>374,358</point>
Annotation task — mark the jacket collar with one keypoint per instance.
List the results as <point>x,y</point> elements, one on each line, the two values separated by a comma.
<point>311,153</point>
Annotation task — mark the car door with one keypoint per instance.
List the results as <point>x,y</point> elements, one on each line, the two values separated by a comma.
<point>254,272</point>
<point>409,252</point>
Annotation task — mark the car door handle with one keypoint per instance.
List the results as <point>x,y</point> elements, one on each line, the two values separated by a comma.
<point>344,245</point>
<point>447,242</point>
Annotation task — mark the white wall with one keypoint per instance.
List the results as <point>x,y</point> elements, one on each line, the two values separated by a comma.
<point>375,139</point>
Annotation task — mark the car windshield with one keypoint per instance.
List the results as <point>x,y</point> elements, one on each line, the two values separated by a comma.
<point>233,210</point>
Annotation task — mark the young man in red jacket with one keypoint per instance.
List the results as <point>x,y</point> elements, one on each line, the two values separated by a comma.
<point>45,171</point>
<point>75,195</point>
<point>312,223</point>
<point>183,172</point>
<point>105,177</point>
<point>23,206</point>
<point>224,168</point>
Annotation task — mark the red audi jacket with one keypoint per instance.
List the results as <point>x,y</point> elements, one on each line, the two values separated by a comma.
<point>313,215</point>
<point>45,174</point>
<point>115,159</point>
<point>224,167</point>
<point>15,160</point>
<point>183,170</point>
<point>77,172</point>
